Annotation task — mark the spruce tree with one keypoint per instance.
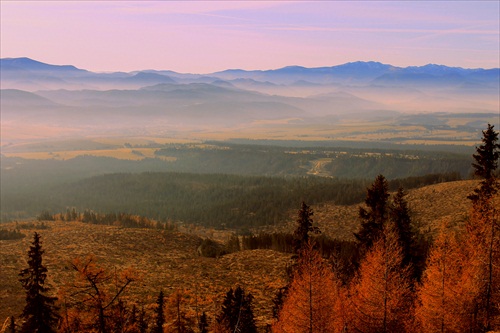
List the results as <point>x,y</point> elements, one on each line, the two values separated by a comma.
<point>142,324</point>
<point>237,312</point>
<point>279,300</point>
<point>485,163</point>
<point>487,154</point>
<point>246,320</point>
<point>373,218</point>
<point>203,323</point>
<point>304,226</point>
<point>400,217</point>
<point>11,328</point>
<point>40,312</point>
<point>227,310</point>
<point>160,317</point>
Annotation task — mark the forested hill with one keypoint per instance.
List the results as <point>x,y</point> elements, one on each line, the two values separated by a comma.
<point>213,200</point>
<point>185,181</point>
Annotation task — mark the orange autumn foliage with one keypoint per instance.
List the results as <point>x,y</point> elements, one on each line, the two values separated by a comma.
<point>482,246</point>
<point>446,294</point>
<point>311,300</point>
<point>461,286</point>
<point>380,296</point>
<point>178,318</point>
<point>90,302</point>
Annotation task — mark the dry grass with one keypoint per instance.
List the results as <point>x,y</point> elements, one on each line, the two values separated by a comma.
<point>167,261</point>
<point>135,154</point>
<point>430,207</point>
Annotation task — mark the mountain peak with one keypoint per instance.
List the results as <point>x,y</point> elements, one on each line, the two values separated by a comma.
<point>25,63</point>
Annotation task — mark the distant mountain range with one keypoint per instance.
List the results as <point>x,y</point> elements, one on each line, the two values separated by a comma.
<point>353,72</point>
<point>37,92</point>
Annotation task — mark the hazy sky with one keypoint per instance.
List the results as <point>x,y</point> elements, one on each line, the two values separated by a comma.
<point>207,36</point>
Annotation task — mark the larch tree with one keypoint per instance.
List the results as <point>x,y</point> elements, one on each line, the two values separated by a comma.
<point>375,215</point>
<point>96,292</point>
<point>444,297</point>
<point>40,313</point>
<point>482,245</point>
<point>176,314</point>
<point>381,295</point>
<point>311,299</point>
<point>482,239</point>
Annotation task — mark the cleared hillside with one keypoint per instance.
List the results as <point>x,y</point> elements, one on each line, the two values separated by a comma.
<point>163,261</point>
<point>169,260</point>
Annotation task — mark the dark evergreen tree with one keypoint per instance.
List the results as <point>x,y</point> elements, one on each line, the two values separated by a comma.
<point>227,310</point>
<point>487,154</point>
<point>237,312</point>
<point>486,162</point>
<point>40,312</point>
<point>142,324</point>
<point>278,301</point>
<point>203,323</point>
<point>133,315</point>
<point>11,328</point>
<point>160,316</point>
<point>374,218</point>
<point>304,226</point>
<point>400,217</point>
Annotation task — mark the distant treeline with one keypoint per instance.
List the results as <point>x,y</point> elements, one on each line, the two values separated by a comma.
<point>6,234</point>
<point>244,159</point>
<point>29,186</point>
<point>212,200</point>
<point>116,219</point>
<point>283,242</point>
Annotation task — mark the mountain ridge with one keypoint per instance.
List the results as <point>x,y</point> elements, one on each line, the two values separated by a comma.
<point>28,63</point>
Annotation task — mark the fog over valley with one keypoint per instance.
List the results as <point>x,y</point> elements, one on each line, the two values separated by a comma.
<point>66,101</point>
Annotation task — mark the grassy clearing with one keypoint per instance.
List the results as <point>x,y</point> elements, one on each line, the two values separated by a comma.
<point>134,154</point>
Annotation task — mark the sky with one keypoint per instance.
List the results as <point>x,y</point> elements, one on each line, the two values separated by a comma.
<point>209,36</point>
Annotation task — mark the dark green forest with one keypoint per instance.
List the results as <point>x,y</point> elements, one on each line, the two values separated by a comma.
<point>214,200</point>
<point>214,184</point>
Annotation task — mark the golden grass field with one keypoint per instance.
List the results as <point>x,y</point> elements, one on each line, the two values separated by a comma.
<point>370,133</point>
<point>135,154</point>
<point>39,142</point>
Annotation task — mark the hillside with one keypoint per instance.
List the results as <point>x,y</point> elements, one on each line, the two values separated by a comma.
<point>430,206</point>
<point>166,261</point>
<point>169,260</point>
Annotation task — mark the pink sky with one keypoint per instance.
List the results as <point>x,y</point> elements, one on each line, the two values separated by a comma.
<point>207,36</point>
